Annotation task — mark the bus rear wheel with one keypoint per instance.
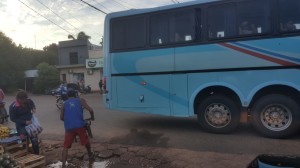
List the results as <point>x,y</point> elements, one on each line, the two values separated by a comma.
<point>276,116</point>
<point>218,114</point>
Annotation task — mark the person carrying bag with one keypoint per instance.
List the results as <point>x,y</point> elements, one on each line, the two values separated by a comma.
<point>21,113</point>
<point>34,128</point>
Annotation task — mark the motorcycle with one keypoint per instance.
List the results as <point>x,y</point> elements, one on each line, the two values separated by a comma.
<point>59,101</point>
<point>3,113</point>
<point>86,89</point>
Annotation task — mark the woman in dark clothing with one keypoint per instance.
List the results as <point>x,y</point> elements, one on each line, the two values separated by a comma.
<point>20,112</point>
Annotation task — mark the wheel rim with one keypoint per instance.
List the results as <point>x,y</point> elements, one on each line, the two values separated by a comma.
<point>217,115</point>
<point>276,117</point>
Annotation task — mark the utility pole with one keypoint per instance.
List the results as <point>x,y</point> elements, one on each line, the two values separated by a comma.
<point>34,41</point>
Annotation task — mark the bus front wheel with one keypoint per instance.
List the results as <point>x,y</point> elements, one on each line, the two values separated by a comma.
<point>218,114</point>
<point>276,116</point>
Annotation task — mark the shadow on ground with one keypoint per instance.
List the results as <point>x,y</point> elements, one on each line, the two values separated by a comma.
<point>141,137</point>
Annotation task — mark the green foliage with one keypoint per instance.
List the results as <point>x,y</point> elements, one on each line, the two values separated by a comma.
<point>51,54</point>
<point>10,69</point>
<point>48,77</point>
<point>80,36</point>
<point>14,60</point>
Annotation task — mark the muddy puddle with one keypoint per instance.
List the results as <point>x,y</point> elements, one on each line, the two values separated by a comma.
<point>96,164</point>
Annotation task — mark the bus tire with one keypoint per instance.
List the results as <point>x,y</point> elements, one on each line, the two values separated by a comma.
<point>275,116</point>
<point>218,114</point>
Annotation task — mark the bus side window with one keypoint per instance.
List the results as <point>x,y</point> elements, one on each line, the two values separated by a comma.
<point>182,26</point>
<point>253,17</point>
<point>289,15</point>
<point>221,21</point>
<point>246,28</point>
<point>159,25</point>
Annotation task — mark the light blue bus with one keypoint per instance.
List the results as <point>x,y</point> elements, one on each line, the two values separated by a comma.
<point>213,59</point>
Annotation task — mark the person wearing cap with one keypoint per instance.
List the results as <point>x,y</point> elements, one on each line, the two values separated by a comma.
<point>20,112</point>
<point>72,116</point>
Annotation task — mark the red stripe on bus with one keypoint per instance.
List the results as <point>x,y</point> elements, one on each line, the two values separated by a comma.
<point>265,57</point>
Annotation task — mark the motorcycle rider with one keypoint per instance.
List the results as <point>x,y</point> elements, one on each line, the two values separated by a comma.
<point>63,91</point>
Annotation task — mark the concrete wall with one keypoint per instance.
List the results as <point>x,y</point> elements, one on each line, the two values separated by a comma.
<point>64,54</point>
<point>91,79</point>
<point>74,73</point>
<point>95,53</point>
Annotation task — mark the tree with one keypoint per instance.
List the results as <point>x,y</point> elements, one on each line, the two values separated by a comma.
<point>48,77</point>
<point>101,42</point>
<point>80,36</point>
<point>11,67</point>
<point>51,54</point>
<point>14,60</point>
<point>70,36</point>
<point>83,36</point>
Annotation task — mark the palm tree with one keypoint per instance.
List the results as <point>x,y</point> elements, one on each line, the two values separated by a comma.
<point>80,36</point>
<point>71,37</point>
<point>83,36</point>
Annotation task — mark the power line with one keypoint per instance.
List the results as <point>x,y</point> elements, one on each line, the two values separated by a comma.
<point>175,1</point>
<point>94,7</point>
<point>125,3</point>
<point>63,18</point>
<point>58,15</point>
<point>102,5</point>
<point>31,42</point>
<point>45,17</point>
<point>119,4</point>
<point>79,20</point>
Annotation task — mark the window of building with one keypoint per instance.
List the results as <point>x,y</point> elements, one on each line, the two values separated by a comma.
<point>64,77</point>
<point>289,15</point>
<point>128,33</point>
<point>253,17</point>
<point>73,58</point>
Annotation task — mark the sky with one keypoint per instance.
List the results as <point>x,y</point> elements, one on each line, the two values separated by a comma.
<point>39,23</point>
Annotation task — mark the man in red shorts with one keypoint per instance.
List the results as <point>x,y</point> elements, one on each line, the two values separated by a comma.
<point>72,115</point>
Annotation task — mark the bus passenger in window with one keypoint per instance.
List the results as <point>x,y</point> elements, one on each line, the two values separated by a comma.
<point>288,26</point>
<point>245,28</point>
<point>178,37</point>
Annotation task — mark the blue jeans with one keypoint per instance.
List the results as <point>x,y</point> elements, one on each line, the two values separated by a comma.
<point>34,140</point>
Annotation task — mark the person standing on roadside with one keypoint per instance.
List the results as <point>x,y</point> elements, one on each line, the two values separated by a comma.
<point>3,112</point>
<point>100,85</point>
<point>72,115</point>
<point>2,95</point>
<point>21,111</point>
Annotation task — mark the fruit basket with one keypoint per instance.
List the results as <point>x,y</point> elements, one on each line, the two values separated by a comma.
<point>6,161</point>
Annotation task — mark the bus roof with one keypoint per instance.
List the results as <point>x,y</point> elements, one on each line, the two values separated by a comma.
<point>147,10</point>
